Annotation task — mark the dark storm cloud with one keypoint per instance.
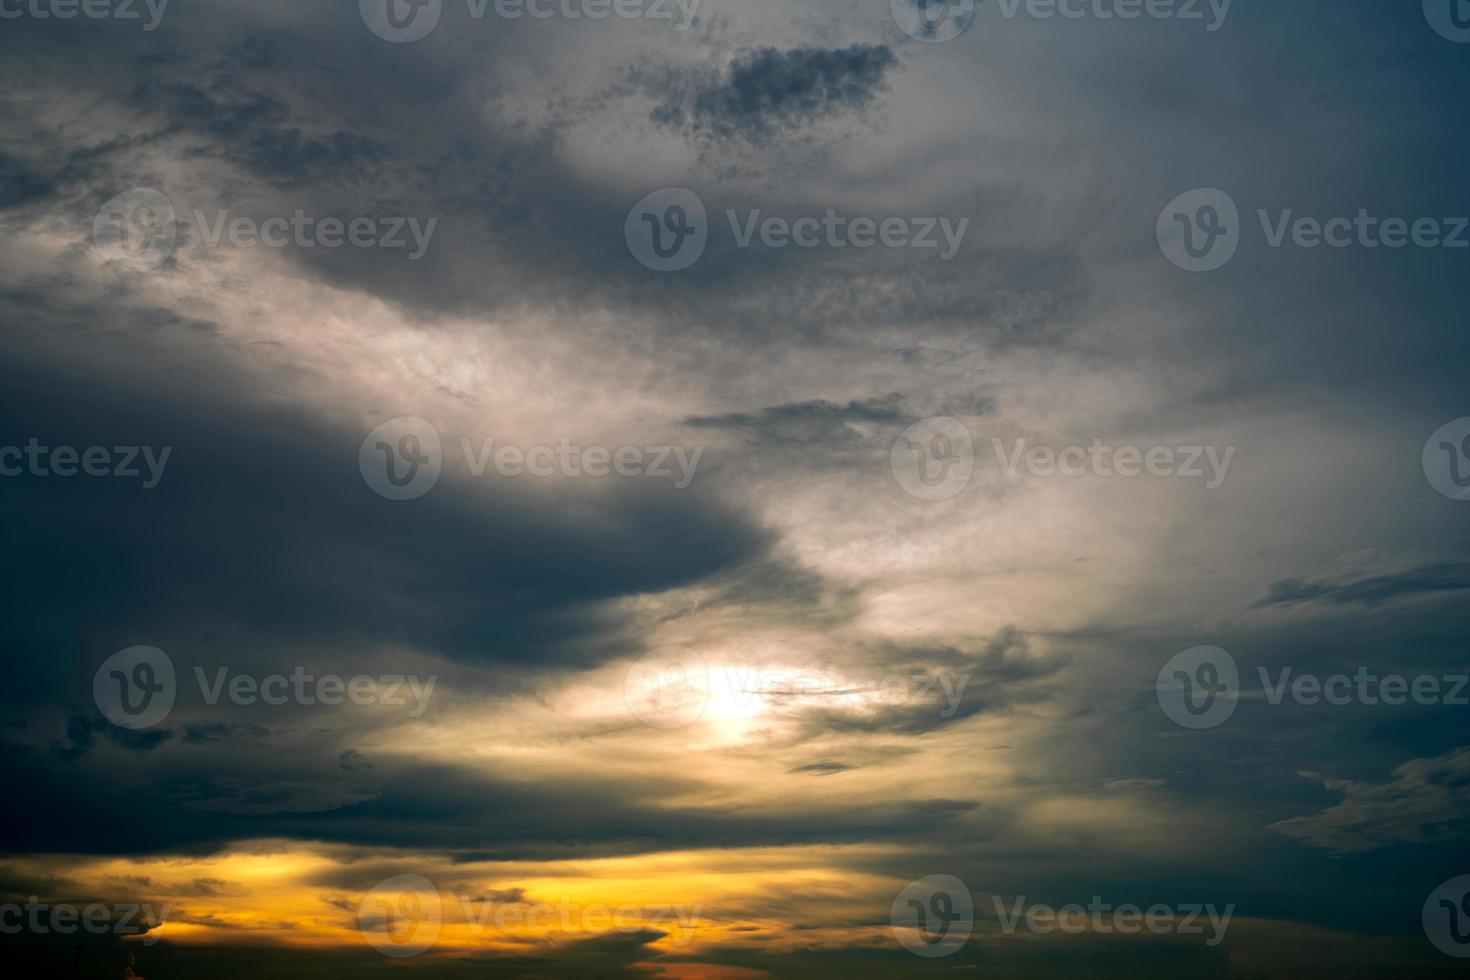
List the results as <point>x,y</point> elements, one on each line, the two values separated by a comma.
<point>248,127</point>
<point>218,732</point>
<point>824,433</point>
<point>193,808</point>
<point>260,541</point>
<point>941,686</point>
<point>262,521</point>
<point>261,533</point>
<point>1369,589</point>
<point>20,185</point>
<point>107,957</point>
<point>319,116</point>
<point>768,90</point>
<point>85,724</point>
<point>798,423</point>
<point>1082,955</point>
<point>1426,800</point>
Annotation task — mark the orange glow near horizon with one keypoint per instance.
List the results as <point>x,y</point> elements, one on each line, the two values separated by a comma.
<point>290,895</point>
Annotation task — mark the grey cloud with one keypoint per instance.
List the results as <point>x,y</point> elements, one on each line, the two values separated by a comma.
<point>108,957</point>
<point>1369,589</point>
<point>1426,800</point>
<point>354,761</point>
<point>85,724</point>
<point>821,768</point>
<point>825,423</point>
<point>345,567</point>
<point>945,685</point>
<point>207,734</point>
<point>20,185</point>
<point>193,809</point>
<point>768,90</point>
<point>1066,159</point>
<point>208,888</point>
<point>248,126</point>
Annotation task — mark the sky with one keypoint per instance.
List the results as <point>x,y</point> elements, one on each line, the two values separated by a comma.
<point>715,490</point>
